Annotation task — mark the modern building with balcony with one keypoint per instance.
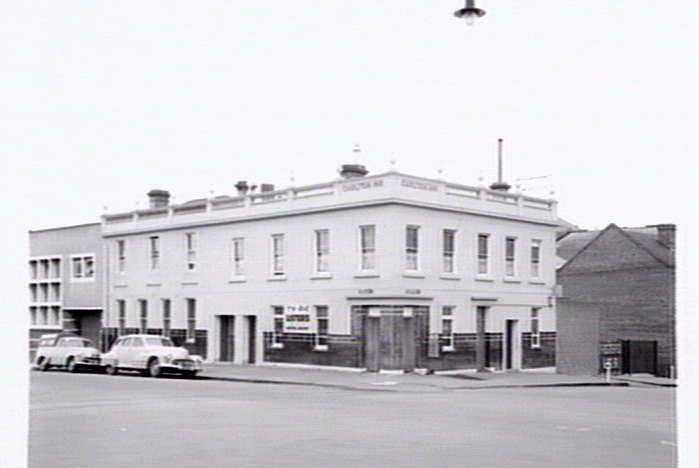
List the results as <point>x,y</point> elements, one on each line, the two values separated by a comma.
<point>383,272</point>
<point>65,281</point>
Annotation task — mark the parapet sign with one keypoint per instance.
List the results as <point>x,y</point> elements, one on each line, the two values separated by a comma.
<point>298,319</point>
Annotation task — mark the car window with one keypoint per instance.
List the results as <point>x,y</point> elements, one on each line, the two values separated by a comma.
<point>122,342</point>
<point>136,342</point>
<point>46,342</point>
<point>74,342</point>
<point>158,341</point>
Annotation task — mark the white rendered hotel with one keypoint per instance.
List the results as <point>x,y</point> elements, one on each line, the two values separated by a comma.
<point>382,272</point>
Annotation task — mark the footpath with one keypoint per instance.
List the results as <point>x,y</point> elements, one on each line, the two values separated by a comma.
<point>352,379</point>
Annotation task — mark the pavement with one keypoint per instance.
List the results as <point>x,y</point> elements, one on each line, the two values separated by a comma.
<point>352,379</point>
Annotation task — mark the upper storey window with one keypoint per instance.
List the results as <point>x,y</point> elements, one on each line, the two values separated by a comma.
<point>483,254</point>
<point>367,241</point>
<point>278,255</point>
<point>536,259</point>
<point>412,248</point>
<point>322,250</point>
<point>121,255</point>
<point>154,252</point>
<point>448,250</point>
<point>83,267</point>
<point>510,256</point>
<point>190,246</point>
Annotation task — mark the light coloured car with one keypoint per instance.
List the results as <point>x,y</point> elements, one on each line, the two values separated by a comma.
<point>152,355</point>
<point>66,350</point>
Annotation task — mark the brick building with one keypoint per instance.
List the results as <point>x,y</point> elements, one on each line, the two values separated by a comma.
<point>65,281</point>
<point>617,304</point>
<point>389,271</point>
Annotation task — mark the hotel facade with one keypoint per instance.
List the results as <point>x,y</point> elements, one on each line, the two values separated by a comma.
<point>383,272</point>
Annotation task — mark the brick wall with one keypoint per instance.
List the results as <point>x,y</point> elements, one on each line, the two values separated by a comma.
<point>544,355</point>
<point>632,304</point>
<point>343,350</point>
<point>577,346</point>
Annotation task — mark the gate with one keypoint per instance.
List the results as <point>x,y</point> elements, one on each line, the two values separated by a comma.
<point>639,357</point>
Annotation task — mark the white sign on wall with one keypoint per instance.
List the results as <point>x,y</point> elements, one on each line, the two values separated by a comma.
<point>298,319</point>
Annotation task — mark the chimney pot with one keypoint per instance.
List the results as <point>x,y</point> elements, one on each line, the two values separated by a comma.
<point>158,198</point>
<point>242,187</point>
<point>349,171</point>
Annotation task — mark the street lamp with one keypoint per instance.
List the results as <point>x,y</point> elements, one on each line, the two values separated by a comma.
<point>469,12</point>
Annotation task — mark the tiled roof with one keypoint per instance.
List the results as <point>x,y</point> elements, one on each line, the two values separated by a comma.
<point>573,242</point>
<point>647,237</point>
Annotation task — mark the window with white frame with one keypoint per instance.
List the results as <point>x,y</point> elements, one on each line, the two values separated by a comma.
<point>483,254</point>
<point>412,248</point>
<point>535,333</point>
<point>322,250</point>
<point>278,317</point>
<point>448,326</point>
<point>322,323</point>
<point>191,306</point>
<point>121,315</point>
<point>448,250</point>
<point>154,252</point>
<point>190,247</point>
<point>367,240</point>
<point>238,256</point>
<point>167,317</point>
<point>143,313</point>
<point>278,255</point>
<point>536,259</point>
<point>83,267</point>
<point>510,264</point>
<point>121,256</point>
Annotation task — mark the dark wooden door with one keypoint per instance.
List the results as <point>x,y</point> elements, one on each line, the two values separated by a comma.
<point>639,357</point>
<point>227,338</point>
<point>509,343</point>
<point>372,343</point>
<point>390,342</point>
<point>252,334</point>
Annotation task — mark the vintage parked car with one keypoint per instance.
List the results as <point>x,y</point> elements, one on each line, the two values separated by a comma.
<point>153,355</point>
<point>66,350</point>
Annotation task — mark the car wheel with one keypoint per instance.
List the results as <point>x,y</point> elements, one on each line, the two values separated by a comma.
<point>111,370</point>
<point>45,364</point>
<point>71,365</point>
<point>154,368</point>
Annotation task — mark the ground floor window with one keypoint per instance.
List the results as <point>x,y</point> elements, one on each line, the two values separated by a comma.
<point>535,335</point>
<point>121,313</point>
<point>322,322</point>
<point>191,318</point>
<point>278,326</point>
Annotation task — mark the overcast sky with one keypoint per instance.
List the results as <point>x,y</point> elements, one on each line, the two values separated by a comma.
<point>105,100</point>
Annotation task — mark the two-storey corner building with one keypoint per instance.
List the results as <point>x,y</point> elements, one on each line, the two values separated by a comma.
<point>389,271</point>
<point>65,281</point>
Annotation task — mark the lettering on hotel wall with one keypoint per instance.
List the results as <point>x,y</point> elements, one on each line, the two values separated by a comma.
<point>415,184</point>
<point>362,185</point>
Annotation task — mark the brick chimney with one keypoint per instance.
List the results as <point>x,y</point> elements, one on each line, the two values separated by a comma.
<point>267,188</point>
<point>666,234</point>
<point>158,198</point>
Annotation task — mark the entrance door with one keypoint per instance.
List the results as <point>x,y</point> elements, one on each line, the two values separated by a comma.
<point>511,345</point>
<point>389,341</point>
<point>227,338</point>
<point>639,357</point>
<point>251,322</point>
